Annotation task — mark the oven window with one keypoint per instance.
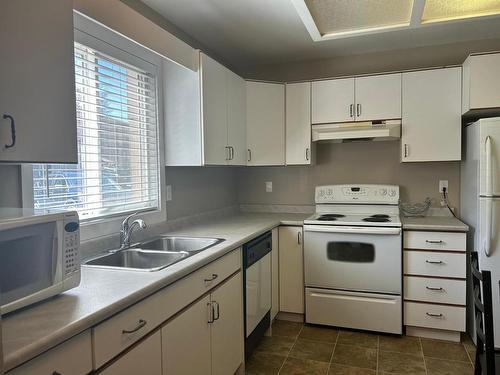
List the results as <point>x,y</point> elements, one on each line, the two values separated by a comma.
<point>353,252</point>
<point>28,261</point>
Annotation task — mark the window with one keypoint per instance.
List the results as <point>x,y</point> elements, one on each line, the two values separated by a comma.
<point>117,168</point>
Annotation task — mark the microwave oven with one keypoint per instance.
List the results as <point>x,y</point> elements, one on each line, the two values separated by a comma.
<point>39,256</point>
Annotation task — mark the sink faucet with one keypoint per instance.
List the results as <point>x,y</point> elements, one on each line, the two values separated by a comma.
<point>126,230</point>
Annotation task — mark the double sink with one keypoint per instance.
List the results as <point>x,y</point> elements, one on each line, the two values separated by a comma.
<point>153,255</point>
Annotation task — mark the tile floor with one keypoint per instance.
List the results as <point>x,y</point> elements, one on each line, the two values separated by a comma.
<point>295,348</point>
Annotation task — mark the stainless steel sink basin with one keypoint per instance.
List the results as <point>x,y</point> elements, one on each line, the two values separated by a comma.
<point>137,259</point>
<point>177,243</point>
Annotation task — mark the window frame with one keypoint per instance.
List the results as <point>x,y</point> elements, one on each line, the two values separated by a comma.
<point>95,35</point>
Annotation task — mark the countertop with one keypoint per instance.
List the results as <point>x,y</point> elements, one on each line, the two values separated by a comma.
<point>102,293</point>
<point>437,223</point>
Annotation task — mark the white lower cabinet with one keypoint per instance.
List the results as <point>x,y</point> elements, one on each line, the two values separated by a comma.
<point>144,359</point>
<point>291,275</point>
<point>275,280</point>
<point>207,338</point>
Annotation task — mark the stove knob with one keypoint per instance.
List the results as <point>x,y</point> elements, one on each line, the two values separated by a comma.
<point>383,192</point>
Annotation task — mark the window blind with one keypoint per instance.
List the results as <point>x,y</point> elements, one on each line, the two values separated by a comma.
<point>117,134</point>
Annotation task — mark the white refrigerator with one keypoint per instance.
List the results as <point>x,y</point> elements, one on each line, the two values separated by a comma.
<point>480,207</point>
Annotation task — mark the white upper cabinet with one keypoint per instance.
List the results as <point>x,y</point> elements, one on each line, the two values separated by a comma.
<point>298,123</point>
<point>431,120</point>
<point>378,97</point>
<point>37,82</point>
<point>236,119</point>
<point>333,101</point>
<point>481,82</point>
<point>265,123</point>
<point>357,99</point>
<point>214,99</point>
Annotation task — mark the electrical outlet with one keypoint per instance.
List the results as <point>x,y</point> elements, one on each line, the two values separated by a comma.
<point>168,193</point>
<point>443,184</point>
<point>269,186</point>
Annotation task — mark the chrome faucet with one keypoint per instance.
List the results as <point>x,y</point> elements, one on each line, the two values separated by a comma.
<point>126,230</point>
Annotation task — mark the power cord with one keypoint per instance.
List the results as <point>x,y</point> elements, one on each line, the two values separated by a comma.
<point>445,200</point>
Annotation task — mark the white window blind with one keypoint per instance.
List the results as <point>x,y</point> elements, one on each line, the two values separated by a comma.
<point>118,166</point>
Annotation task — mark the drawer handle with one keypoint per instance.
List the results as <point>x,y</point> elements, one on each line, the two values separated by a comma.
<point>434,261</point>
<point>434,288</point>
<point>140,325</point>
<point>434,241</point>
<point>434,315</point>
<point>56,373</point>
<point>212,278</point>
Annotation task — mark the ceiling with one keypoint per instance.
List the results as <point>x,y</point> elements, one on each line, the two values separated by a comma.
<point>246,33</point>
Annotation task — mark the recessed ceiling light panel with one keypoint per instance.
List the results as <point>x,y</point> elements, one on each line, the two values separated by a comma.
<point>353,16</point>
<point>446,10</point>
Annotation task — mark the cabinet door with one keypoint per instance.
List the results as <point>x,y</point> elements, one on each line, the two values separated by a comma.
<point>275,281</point>
<point>236,119</point>
<point>214,110</point>
<point>144,359</point>
<point>227,328</point>
<point>378,97</point>
<point>481,82</point>
<point>333,101</point>
<point>186,341</point>
<point>431,121</point>
<point>37,81</point>
<point>298,123</point>
<point>291,269</point>
<point>265,123</point>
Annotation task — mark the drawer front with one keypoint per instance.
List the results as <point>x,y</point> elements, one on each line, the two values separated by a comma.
<point>120,331</point>
<point>71,357</point>
<point>434,290</point>
<point>435,316</point>
<point>426,263</point>
<point>435,241</point>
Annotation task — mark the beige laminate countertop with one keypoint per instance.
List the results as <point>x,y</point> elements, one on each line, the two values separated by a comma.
<point>102,293</point>
<point>436,223</point>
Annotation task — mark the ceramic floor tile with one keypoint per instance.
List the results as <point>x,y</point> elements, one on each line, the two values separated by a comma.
<point>401,363</point>
<point>355,356</point>
<point>262,363</point>
<point>336,369</point>
<point>444,350</point>
<point>367,340</point>
<point>297,366</point>
<point>317,333</point>
<point>471,351</point>
<point>442,367</point>
<point>276,345</point>
<point>285,328</point>
<point>315,350</point>
<point>400,344</point>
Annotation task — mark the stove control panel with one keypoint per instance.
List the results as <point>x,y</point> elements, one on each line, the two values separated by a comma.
<point>358,194</point>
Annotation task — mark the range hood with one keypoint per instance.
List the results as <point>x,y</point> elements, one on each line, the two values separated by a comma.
<point>357,131</point>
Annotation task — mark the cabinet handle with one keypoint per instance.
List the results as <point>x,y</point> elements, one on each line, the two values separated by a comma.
<point>406,150</point>
<point>249,155</point>
<point>140,325</point>
<point>216,310</point>
<point>434,288</point>
<point>299,238</point>
<point>434,261</point>
<point>351,110</point>
<point>231,152</point>
<point>212,278</point>
<point>307,154</point>
<point>12,130</point>
<point>358,110</point>
<point>434,315</point>
<point>211,312</point>
<point>434,241</point>
<point>56,373</point>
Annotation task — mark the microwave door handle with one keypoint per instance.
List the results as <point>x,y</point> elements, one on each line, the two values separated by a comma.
<point>55,256</point>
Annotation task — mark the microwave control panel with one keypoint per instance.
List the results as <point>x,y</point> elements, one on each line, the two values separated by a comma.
<point>71,244</point>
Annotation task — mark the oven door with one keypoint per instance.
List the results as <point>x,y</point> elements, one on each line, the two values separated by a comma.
<point>353,258</point>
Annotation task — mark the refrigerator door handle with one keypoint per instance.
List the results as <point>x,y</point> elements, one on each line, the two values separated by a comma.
<point>489,201</point>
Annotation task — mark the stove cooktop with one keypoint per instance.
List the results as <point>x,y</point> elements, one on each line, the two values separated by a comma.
<point>354,219</point>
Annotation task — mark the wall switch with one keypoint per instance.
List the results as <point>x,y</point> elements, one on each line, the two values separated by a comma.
<point>443,184</point>
<point>269,186</point>
<point>168,193</point>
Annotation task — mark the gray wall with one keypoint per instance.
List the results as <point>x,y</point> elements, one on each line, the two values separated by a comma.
<point>372,162</point>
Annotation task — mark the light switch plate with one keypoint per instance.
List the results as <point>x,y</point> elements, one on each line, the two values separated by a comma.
<point>168,193</point>
<point>269,186</point>
<point>443,184</point>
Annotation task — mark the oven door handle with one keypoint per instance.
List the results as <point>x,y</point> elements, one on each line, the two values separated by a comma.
<point>347,229</point>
